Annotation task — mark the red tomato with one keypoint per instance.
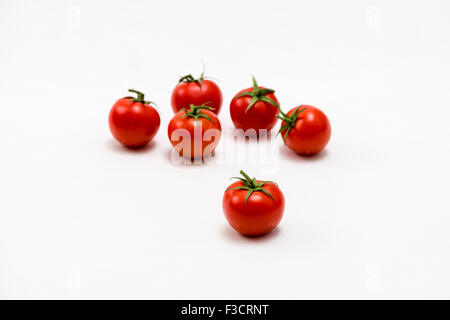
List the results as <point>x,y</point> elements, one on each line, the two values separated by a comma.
<point>197,92</point>
<point>133,121</point>
<point>196,122</point>
<point>254,108</point>
<point>305,130</point>
<point>253,207</point>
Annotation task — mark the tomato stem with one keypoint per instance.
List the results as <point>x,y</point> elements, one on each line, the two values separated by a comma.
<point>196,112</point>
<point>140,97</point>
<point>290,121</point>
<point>246,176</point>
<point>258,95</point>
<point>251,185</point>
<point>190,78</point>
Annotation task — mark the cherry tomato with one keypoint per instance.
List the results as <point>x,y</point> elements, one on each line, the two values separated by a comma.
<point>133,121</point>
<point>197,92</point>
<point>253,207</point>
<point>202,128</point>
<point>254,108</point>
<point>305,130</point>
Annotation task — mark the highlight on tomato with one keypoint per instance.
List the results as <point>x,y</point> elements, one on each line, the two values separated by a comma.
<point>197,92</point>
<point>199,130</point>
<point>253,207</point>
<point>133,121</point>
<point>254,108</point>
<point>305,129</point>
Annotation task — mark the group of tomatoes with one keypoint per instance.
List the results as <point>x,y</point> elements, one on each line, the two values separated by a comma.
<point>253,207</point>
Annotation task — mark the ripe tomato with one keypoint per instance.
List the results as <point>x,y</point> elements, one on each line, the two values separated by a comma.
<point>253,207</point>
<point>305,129</point>
<point>254,108</point>
<point>133,121</point>
<point>197,92</point>
<point>202,128</point>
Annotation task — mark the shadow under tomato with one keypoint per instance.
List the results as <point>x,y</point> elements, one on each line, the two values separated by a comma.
<point>118,147</point>
<point>291,155</point>
<point>232,235</point>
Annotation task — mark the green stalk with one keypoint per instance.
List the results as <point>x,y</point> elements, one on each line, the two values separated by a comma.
<point>251,185</point>
<point>290,121</point>
<point>258,95</point>
<point>140,97</point>
<point>196,112</point>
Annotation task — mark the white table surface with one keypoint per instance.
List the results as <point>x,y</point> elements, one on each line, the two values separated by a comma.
<point>83,217</point>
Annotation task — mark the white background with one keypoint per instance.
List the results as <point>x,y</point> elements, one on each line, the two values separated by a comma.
<point>83,217</point>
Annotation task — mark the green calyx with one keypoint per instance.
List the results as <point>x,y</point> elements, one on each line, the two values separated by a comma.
<point>190,78</point>
<point>139,98</point>
<point>289,121</point>
<point>196,112</point>
<point>258,95</point>
<point>251,185</point>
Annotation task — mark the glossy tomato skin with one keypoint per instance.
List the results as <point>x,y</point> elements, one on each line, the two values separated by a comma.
<point>311,132</point>
<point>191,126</point>
<point>187,93</point>
<point>134,124</point>
<point>262,115</point>
<point>260,215</point>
